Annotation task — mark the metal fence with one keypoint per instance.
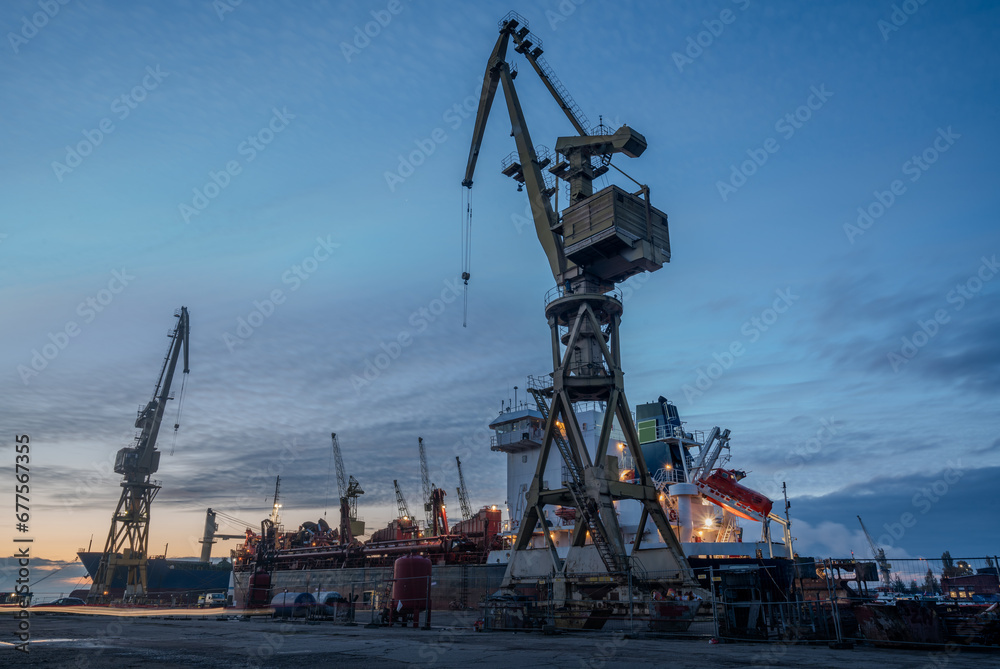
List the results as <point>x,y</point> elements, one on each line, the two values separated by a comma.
<point>912,603</point>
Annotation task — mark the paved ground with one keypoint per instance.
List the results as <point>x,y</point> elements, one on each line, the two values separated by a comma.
<point>88,641</point>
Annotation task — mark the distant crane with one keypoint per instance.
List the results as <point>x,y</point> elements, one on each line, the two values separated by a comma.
<point>463,492</point>
<point>128,540</point>
<point>426,481</point>
<point>404,513</point>
<point>406,522</point>
<point>275,506</point>
<point>349,490</point>
<point>879,554</point>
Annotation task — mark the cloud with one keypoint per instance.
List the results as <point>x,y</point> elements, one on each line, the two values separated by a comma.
<point>913,515</point>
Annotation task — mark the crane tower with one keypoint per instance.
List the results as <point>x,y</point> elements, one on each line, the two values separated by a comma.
<point>598,240</point>
<point>349,490</point>
<point>128,540</point>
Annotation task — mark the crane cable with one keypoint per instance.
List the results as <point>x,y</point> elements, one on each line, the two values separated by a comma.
<point>177,419</point>
<point>466,224</point>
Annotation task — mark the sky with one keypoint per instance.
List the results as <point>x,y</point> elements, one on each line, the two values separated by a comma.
<point>290,172</point>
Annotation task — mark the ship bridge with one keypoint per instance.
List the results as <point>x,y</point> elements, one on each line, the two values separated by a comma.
<point>517,431</point>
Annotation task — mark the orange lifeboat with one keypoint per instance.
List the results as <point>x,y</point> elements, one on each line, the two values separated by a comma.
<point>722,488</point>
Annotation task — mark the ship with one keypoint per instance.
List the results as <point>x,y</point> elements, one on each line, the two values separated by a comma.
<point>170,582</point>
<point>703,498</point>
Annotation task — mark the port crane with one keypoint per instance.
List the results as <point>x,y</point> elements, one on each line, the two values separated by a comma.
<point>425,480</point>
<point>597,241</point>
<point>463,492</point>
<point>127,545</point>
<point>884,568</point>
<point>407,522</point>
<point>349,490</point>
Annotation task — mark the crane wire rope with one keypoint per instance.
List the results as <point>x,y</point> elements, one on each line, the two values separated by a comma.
<point>177,419</point>
<point>466,224</point>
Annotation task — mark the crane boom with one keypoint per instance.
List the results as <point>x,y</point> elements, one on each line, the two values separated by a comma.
<point>275,505</point>
<point>425,480</point>
<point>463,492</point>
<point>528,44</point>
<point>341,474</point>
<point>404,513</point>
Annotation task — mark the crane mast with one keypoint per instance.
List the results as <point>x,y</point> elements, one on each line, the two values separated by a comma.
<point>463,492</point>
<point>598,240</point>
<point>128,540</point>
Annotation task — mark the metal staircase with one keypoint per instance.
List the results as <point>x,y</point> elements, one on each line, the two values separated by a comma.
<point>728,527</point>
<point>586,505</point>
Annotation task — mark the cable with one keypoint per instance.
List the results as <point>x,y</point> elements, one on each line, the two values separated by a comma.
<point>177,420</point>
<point>466,250</point>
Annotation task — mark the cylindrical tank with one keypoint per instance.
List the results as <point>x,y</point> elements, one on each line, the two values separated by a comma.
<point>331,602</point>
<point>292,604</point>
<point>411,583</point>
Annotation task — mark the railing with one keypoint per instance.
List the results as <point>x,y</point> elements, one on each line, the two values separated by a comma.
<point>508,438</point>
<point>557,292</point>
<point>670,431</point>
<point>663,476</point>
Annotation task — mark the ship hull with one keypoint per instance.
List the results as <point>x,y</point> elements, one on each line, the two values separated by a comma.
<point>179,581</point>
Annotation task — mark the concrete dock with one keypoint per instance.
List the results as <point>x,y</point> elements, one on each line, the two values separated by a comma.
<point>90,641</point>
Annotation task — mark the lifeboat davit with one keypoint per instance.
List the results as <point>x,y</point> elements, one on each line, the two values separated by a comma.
<point>722,488</point>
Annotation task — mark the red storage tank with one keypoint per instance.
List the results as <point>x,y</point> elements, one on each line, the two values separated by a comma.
<point>260,589</point>
<point>411,584</point>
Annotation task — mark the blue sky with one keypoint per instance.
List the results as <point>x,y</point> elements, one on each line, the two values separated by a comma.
<point>357,255</point>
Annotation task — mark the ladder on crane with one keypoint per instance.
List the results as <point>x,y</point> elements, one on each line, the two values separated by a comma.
<point>585,504</point>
